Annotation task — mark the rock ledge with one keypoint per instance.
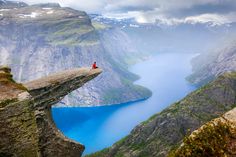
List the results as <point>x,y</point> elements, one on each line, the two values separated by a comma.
<point>27,128</point>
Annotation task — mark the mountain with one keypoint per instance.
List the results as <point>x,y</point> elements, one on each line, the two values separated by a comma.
<point>156,37</point>
<point>11,4</point>
<point>164,131</point>
<point>41,39</point>
<point>213,63</point>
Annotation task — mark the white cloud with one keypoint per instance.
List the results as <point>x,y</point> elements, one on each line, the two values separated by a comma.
<point>204,18</point>
<point>165,11</point>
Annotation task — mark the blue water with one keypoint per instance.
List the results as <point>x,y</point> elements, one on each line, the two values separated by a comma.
<point>100,127</point>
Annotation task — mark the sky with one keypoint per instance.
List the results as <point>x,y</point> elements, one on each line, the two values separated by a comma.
<point>169,12</point>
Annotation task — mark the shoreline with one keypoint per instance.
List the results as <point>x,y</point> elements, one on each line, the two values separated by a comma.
<point>108,105</point>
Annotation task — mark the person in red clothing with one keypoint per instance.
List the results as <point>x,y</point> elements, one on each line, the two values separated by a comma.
<point>94,66</point>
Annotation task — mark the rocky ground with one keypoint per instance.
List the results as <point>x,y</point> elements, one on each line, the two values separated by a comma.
<point>215,138</point>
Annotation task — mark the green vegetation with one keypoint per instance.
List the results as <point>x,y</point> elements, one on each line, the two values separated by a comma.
<point>120,94</point>
<point>230,75</point>
<point>72,32</point>
<point>213,139</point>
<point>114,94</point>
<point>7,80</point>
<point>98,154</point>
<point>149,120</point>
<point>100,26</point>
<point>6,77</point>
<point>78,31</point>
<point>7,102</point>
<point>138,146</point>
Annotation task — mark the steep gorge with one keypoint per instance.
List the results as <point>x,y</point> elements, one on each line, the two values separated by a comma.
<point>165,130</point>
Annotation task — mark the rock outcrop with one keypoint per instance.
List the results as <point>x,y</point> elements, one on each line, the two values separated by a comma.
<point>215,138</point>
<point>27,129</point>
<point>165,130</point>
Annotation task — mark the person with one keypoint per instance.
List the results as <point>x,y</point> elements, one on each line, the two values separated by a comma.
<point>94,66</point>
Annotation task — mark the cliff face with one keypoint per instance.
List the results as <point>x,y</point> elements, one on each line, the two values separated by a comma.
<point>165,130</point>
<point>46,38</point>
<point>27,128</point>
<point>208,66</point>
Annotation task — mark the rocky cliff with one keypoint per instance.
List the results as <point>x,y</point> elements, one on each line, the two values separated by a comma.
<point>208,66</point>
<point>215,138</point>
<point>45,38</point>
<point>165,130</point>
<point>27,129</point>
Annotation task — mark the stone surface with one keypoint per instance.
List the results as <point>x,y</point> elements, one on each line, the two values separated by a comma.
<point>53,88</point>
<point>27,129</point>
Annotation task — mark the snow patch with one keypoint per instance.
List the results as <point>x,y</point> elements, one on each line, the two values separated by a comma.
<point>1,14</point>
<point>46,8</point>
<point>32,15</point>
<point>50,12</point>
<point>133,25</point>
<point>4,9</point>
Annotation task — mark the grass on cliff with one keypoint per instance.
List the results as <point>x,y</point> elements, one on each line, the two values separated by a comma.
<point>100,26</point>
<point>214,139</point>
<point>7,102</point>
<point>121,94</point>
<point>71,32</point>
<point>7,80</point>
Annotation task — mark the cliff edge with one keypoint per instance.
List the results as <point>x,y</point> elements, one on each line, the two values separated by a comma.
<point>27,128</point>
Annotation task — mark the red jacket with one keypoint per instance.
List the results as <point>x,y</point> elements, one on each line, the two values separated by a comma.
<point>94,66</point>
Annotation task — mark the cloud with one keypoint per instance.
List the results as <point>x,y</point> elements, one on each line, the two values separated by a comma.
<point>178,11</point>
<point>170,12</point>
<point>204,18</point>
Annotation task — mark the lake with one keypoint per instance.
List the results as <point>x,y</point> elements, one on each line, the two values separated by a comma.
<point>100,127</point>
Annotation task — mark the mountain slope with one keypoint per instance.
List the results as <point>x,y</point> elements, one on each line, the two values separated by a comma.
<point>209,65</point>
<point>45,38</point>
<point>215,138</point>
<point>165,130</point>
